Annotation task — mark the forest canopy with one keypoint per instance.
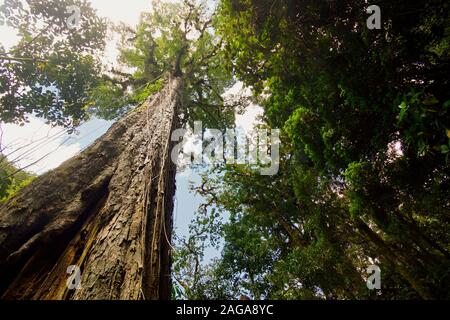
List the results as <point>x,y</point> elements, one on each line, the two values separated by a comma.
<point>364,175</point>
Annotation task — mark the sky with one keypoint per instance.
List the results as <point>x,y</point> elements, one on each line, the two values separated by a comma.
<point>44,154</point>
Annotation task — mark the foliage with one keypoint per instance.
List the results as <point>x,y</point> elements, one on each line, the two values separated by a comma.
<point>53,66</point>
<point>11,179</point>
<point>365,175</point>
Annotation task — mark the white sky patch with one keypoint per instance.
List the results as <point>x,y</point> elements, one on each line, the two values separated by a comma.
<point>249,118</point>
<point>117,11</point>
<point>394,150</point>
<point>36,140</point>
<point>8,37</point>
<point>252,112</point>
<point>38,147</point>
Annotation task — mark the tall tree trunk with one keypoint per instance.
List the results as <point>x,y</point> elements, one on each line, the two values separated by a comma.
<point>107,211</point>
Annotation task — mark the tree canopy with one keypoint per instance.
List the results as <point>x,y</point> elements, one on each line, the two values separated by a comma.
<point>364,175</point>
<point>50,71</point>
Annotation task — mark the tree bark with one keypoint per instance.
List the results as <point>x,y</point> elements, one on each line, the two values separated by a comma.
<point>107,211</point>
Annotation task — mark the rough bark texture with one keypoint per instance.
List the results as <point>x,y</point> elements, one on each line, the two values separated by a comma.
<point>107,210</point>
